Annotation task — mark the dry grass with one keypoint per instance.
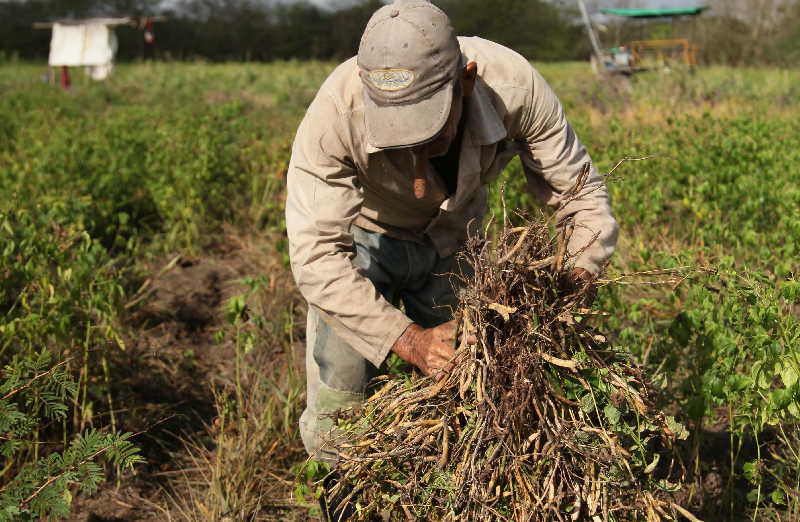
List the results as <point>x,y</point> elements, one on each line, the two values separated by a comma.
<point>241,467</point>
<point>246,473</point>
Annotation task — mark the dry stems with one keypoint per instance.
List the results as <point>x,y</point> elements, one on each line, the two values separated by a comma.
<point>541,419</point>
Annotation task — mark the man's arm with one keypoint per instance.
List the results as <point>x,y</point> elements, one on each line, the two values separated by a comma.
<point>323,200</point>
<point>553,161</point>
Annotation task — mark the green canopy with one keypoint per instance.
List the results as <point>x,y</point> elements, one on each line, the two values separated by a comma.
<point>655,13</point>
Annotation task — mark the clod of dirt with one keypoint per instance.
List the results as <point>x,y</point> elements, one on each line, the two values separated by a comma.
<point>713,484</point>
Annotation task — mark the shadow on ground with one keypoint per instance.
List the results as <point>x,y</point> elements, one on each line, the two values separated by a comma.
<point>163,381</point>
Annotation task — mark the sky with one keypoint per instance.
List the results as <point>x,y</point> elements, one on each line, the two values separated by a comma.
<point>605,3</point>
<point>668,3</point>
<point>650,3</point>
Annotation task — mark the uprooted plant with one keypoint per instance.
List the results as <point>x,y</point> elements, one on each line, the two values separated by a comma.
<point>540,419</point>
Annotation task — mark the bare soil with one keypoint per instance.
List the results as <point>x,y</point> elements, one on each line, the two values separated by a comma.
<point>163,379</point>
<point>710,494</point>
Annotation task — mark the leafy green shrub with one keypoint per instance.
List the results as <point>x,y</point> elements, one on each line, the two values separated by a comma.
<point>34,391</point>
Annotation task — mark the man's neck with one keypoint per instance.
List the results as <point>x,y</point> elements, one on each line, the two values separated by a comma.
<point>447,166</point>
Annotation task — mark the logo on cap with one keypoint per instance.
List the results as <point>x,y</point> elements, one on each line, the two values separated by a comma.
<point>391,79</point>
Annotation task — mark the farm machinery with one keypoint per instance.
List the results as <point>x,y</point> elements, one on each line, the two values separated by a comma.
<point>642,54</point>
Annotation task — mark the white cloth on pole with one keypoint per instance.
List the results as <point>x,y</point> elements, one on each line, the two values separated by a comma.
<point>99,72</point>
<point>66,45</point>
<point>92,44</point>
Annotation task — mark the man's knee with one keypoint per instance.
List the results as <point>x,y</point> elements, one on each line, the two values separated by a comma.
<point>337,377</point>
<point>318,423</point>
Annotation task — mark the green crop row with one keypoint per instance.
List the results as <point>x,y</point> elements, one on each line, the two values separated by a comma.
<point>97,182</point>
<point>94,183</point>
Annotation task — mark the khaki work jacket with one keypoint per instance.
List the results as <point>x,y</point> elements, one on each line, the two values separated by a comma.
<point>336,179</point>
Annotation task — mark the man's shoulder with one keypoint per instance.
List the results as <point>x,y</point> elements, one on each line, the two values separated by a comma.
<point>343,87</point>
<point>498,65</point>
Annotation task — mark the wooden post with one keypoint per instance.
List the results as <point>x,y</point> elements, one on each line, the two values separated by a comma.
<point>65,82</point>
<point>592,37</point>
<point>686,59</point>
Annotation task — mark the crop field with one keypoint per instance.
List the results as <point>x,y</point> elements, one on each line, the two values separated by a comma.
<point>151,336</point>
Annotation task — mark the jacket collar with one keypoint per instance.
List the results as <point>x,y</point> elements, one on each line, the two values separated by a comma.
<point>484,126</point>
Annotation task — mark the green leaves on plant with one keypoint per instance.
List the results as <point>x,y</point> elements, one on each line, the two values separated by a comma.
<point>34,391</point>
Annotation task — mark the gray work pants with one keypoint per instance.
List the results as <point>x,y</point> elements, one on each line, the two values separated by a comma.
<point>337,375</point>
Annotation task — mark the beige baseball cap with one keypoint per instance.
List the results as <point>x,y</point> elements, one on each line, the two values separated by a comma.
<point>408,59</point>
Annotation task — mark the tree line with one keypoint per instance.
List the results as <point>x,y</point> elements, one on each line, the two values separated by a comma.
<point>263,30</point>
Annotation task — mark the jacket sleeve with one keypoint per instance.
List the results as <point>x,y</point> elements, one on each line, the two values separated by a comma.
<point>323,200</point>
<point>553,159</point>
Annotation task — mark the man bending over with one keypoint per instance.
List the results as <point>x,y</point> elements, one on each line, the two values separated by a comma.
<point>388,178</point>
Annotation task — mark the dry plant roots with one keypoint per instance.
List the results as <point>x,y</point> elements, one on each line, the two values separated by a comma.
<point>541,419</point>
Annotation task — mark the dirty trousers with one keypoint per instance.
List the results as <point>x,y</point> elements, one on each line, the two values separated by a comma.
<point>336,375</point>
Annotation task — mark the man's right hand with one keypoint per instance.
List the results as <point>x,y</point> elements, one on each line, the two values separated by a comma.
<point>430,349</point>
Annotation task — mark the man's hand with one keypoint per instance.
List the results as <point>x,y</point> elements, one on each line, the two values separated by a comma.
<point>430,349</point>
<point>581,278</point>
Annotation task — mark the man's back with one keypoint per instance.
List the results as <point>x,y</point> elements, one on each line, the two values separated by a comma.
<point>512,112</point>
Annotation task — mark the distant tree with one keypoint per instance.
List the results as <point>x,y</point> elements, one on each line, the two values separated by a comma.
<point>350,23</point>
<point>537,29</point>
<point>301,30</point>
<point>784,45</point>
<point>280,29</point>
<point>741,32</point>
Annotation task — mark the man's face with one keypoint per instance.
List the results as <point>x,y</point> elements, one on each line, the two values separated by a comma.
<point>440,145</point>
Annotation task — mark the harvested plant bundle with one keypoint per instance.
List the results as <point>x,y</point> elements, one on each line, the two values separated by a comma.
<point>541,419</point>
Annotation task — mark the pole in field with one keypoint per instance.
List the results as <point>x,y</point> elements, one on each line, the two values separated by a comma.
<point>65,80</point>
<point>592,37</point>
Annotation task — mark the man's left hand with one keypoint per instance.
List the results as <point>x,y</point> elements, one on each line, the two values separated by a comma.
<point>583,279</point>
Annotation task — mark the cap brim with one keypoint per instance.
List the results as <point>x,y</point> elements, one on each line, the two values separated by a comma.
<point>407,125</point>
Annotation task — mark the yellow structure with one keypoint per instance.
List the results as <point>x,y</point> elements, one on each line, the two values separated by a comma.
<point>664,52</point>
